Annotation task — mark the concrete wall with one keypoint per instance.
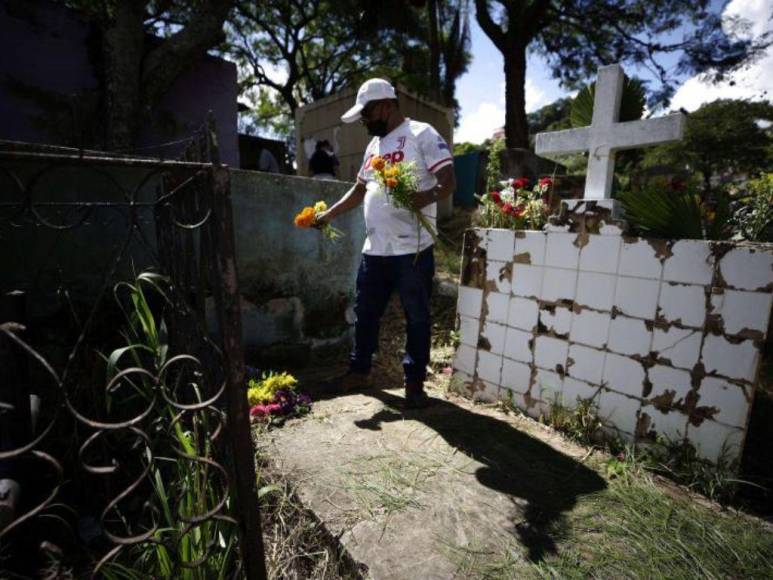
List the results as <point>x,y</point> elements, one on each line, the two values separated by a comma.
<point>664,336</point>
<point>49,86</point>
<point>297,287</point>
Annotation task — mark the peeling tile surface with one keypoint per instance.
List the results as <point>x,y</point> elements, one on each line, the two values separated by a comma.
<point>564,315</point>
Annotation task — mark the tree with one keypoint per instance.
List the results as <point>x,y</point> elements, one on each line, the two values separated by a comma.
<point>138,68</point>
<point>724,136</point>
<point>576,36</point>
<point>449,44</point>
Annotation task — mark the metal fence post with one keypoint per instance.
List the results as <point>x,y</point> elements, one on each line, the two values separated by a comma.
<point>229,315</point>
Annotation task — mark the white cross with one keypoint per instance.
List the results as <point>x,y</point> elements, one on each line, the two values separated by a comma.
<point>605,135</point>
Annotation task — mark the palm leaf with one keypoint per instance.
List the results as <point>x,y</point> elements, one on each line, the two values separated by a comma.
<point>631,103</point>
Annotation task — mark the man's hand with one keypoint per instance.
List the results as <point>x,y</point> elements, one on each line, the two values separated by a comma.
<point>446,184</point>
<point>322,219</point>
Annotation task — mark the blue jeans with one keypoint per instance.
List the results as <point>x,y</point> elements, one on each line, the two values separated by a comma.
<point>377,277</point>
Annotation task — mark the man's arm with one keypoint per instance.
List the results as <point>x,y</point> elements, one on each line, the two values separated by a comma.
<point>350,200</point>
<point>446,184</point>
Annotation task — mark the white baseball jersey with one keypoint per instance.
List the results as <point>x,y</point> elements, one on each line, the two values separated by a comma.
<point>393,231</point>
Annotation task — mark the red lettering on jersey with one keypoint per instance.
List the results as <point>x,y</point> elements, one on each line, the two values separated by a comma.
<point>397,156</point>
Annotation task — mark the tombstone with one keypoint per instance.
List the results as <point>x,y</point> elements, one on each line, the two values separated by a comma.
<point>517,162</point>
<point>602,139</point>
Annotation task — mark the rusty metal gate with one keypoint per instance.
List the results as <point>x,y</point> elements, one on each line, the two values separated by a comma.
<point>125,446</point>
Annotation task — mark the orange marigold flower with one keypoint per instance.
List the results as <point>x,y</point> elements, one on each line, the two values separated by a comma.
<point>306,218</point>
<point>378,163</point>
<point>391,182</point>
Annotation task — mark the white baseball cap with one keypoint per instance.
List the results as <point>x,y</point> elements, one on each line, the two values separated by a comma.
<point>371,90</point>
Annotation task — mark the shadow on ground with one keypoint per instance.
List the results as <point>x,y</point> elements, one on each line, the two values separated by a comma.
<point>542,483</point>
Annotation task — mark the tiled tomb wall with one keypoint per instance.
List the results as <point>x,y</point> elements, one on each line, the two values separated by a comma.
<point>664,336</point>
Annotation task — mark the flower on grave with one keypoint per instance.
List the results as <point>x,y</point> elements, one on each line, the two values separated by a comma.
<point>495,197</point>
<point>545,183</point>
<point>520,183</point>
<point>507,208</point>
<point>264,390</point>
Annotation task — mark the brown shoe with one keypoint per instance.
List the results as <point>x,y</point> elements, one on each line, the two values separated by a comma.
<point>415,397</point>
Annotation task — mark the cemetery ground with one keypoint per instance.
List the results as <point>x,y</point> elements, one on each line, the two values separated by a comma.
<point>360,488</point>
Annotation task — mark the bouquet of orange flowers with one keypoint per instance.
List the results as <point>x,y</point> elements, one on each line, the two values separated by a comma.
<point>308,216</point>
<point>399,184</point>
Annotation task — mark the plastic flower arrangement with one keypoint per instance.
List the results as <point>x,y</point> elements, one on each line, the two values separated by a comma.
<point>515,206</point>
<point>273,397</point>
<point>399,183</point>
<point>307,218</point>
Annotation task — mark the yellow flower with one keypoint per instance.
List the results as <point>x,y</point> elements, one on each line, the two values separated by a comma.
<point>378,163</point>
<point>320,206</point>
<point>306,218</point>
<point>391,171</point>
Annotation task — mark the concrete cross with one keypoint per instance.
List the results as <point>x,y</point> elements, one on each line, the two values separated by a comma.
<point>605,135</point>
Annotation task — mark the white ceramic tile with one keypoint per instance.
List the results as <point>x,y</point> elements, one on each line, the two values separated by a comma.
<point>493,336</point>
<point>610,229</point>
<point>713,441</point>
<point>639,258</point>
<point>680,346</point>
<point>486,392</point>
<point>666,379</point>
<point>596,290</point>
<point>672,424</point>
<point>547,385</point>
<point>619,411</point>
<point>748,268</point>
<point>559,284</point>
<point>550,353</point>
<point>600,254</point>
<point>556,318</point>
<point>469,328</point>
<point>730,401</point>
<point>575,389</point>
<point>523,314</point>
<point>536,409</point>
<point>623,375</point>
<point>590,328</point>
<point>637,296</point>
<point>745,311</point>
<point>470,301</point>
<point>498,275</point>
<point>691,263</point>
<point>489,366</point>
<point>500,245</point>
<point>516,376</point>
<point>586,363</point>
<point>464,360</point>
<point>482,236</point>
<point>737,361</point>
<point>561,251</point>
<point>629,336</point>
<point>530,248</point>
<point>683,303</point>
<point>497,305</point>
<point>517,345</point>
<point>527,280</point>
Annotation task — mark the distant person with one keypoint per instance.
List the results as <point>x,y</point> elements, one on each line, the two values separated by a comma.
<point>267,162</point>
<point>323,162</point>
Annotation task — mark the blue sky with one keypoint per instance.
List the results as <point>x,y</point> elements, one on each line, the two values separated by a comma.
<point>481,90</point>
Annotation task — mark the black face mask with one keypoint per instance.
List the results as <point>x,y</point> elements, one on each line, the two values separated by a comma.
<point>377,128</point>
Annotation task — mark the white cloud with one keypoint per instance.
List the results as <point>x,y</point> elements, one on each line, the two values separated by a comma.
<point>535,97</point>
<point>479,125</point>
<point>753,82</point>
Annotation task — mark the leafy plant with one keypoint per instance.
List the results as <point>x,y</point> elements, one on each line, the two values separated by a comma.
<point>674,214</point>
<point>184,483</point>
<point>631,104</point>
<point>753,220</point>
<point>494,166</point>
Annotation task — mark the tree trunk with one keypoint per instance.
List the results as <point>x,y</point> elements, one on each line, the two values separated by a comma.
<point>516,129</point>
<point>434,51</point>
<point>122,50</point>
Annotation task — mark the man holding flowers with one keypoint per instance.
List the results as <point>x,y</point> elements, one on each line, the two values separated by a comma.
<point>397,254</point>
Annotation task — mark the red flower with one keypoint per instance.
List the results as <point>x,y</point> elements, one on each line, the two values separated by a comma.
<point>678,184</point>
<point>494,195</point>
<point>520,183</point>
<point>519,210</point>
<point>545,182</point>
<point>507,209</point>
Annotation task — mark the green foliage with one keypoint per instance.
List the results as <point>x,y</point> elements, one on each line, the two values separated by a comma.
<point>494,167</point>
<point>631,104</point>
<point>659,213</point>
<point>183,487</point>
<point>753,220</point>
<point>464,147</point>
<point>721,137</point>
<point>581,423</point>
<point>552,117</point>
